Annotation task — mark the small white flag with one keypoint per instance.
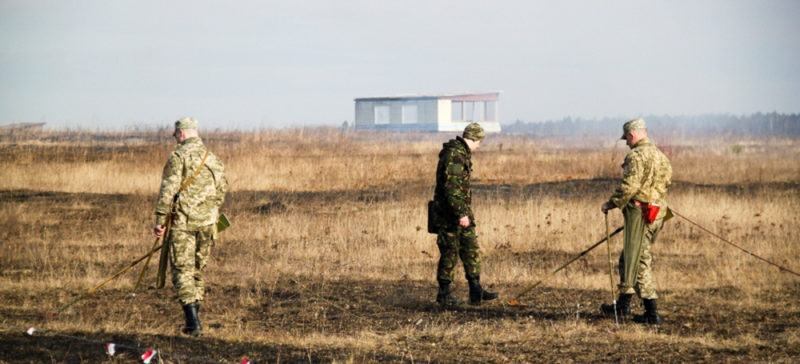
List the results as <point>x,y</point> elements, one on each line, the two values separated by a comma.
<point>30,331</point>
<point>110,348</point>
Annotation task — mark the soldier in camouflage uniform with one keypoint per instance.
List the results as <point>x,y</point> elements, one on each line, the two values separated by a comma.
<point>454,222</point>
<point>195,193</point>
<point>647,175</point>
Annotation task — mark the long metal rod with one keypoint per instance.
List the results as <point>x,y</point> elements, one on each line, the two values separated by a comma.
<point>109,279</point>
<point>611,271</point>
<point>567,263</point>
<point>144,268</point>
<point>161,275</point>
<point>734,245</point>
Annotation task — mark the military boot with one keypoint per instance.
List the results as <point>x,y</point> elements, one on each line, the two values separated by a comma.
<point>650,313</point>
<point>623,306</point>
<point>477,293</point>
<point>444,297</point>
<point>193,327</point>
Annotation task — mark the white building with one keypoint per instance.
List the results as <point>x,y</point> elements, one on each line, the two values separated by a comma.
<point>428,112</point>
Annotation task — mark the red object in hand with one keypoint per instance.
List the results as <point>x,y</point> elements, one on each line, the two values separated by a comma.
<point>650,212</point>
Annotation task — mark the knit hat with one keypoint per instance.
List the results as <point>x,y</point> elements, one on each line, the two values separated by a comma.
<point>474,131</point>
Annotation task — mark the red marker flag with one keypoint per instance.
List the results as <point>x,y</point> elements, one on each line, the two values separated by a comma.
<point>148,355</point>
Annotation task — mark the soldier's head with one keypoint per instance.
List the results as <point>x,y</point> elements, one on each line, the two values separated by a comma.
<point>633,131</point>
<point>185,128</point>
<point>474,134</point>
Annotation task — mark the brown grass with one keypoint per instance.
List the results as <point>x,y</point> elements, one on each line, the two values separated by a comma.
<point>328,258</point>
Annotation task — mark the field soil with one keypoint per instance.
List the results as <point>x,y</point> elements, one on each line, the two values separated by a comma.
<point>328,260</point>
<point>398,310</point>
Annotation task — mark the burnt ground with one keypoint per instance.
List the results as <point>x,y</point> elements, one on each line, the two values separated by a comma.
<point>402,310</point>
<point>389,307</point>
<point>269,202</point>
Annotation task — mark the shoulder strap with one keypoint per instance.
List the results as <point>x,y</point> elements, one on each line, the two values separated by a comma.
<point>190,179</point>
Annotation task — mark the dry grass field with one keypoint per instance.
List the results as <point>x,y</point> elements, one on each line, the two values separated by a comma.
<point>329,261</point>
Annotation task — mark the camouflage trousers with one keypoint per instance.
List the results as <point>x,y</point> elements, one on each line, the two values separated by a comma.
<point>636,274</point>
<point>188,256</point>
<point>454,243</point>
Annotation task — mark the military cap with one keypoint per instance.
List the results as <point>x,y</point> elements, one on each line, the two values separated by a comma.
<point>632,125</point>
<point>473,131</point>
<point>186,123</point>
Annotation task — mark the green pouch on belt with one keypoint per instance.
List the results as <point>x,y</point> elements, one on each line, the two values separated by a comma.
<point>222,223</point>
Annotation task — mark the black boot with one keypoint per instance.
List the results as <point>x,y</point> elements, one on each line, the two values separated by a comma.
<point>477,293</point>
<point>444,297</point>
<point>192,327</point>
<point>623,306</point>
<point>650,313</point>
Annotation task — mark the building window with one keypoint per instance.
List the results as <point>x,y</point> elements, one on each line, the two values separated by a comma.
<point>491,110</point>
<point>469,111</point>
<point>479,114</point>
<point>458,110</point>
<point>410,114</point>
<point>381,114</point>
<point>473,111</point>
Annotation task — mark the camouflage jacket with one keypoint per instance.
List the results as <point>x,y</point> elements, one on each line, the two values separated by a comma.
<point>453,194</point>
<point>646,176</point>
<point>198,204</point>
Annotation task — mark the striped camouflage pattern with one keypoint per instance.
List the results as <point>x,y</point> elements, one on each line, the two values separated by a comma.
<point>198,205</point>
<point>646,176</point>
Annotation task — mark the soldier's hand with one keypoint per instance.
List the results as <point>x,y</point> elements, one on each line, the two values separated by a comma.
<point>605,207</point>
<point>464,221</point>
<point>158,230</point>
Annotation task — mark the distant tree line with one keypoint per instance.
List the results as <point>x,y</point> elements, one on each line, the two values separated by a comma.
<point>758,124</point>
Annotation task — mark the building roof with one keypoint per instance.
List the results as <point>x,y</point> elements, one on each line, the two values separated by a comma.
<point>482,96</point>
<point>21,126</point>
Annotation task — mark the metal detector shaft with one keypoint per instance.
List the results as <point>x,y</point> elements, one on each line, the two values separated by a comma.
<point>568,263</point>
<point>611,270</point>
<point>109,279</point>
<point>161,275</point>
<point>782,268</point>
<point>144,268</point>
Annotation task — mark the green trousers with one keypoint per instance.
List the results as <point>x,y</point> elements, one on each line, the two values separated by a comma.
<point>635,262</point>
<point>456,242</point>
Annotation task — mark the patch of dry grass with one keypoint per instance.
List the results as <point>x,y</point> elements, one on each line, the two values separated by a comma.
<point>329,255</point>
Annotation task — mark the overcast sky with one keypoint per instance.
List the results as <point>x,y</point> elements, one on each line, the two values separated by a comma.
<point>251,64</point>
